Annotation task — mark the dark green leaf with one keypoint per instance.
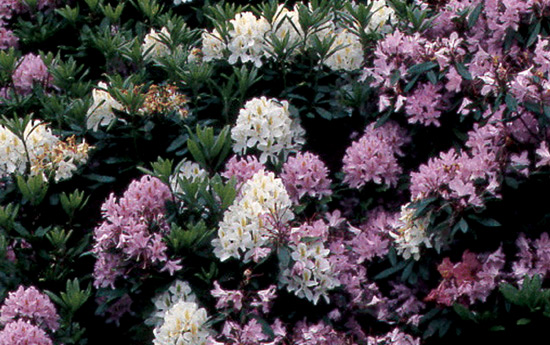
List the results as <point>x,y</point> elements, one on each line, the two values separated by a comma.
<point>422,67</point>
<point>100,178</point>
<point>463,71</point>
<point>474,16</point>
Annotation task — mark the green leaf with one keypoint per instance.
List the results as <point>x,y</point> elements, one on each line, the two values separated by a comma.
<point>464,312</point>
<point>196,152</point>
<point>327,115</point>
<point>509,292</point>
<point>422,67</point>
<point>283,254</point>
<point>463,225</point>
<point>390,271</point>
<point>523,321</point>
<point>474,16</point>
<point>407,271</point>
<point>100,178</point>
<point>488,222</point>
<point>463,71</point>
<point>511,102</point>
<point>534,34</point>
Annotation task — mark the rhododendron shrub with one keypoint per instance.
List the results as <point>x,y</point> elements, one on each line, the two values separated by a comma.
<point>263,172</point>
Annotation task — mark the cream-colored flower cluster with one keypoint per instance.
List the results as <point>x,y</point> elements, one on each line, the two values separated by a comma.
<point>246,41</point>
<point>43,152</point>
<point>382,14</point>
<point>252,39</point>
<point>184,324</point>
<point>411,233</point>
<point>101,111</point>
<point>348,52</point>
<point>255,219</point>
<point>247,38</point>
<point>265,124</point>
<point>178,291</point>
<point>154,45</point>
<point>189,170</point>
<point>312,275</point>
<point>286,24</point>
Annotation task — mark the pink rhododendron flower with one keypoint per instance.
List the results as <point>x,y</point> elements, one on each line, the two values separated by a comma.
<point>32,305</point>
<point>305,174</point>
<point>242,168</point>
<point>31,70</point>
<point>22,332</point>
<point>131,235</point>
<point>374,156</point>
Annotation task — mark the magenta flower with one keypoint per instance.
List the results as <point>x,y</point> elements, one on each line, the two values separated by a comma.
<point>227,298</point>
<point>374,156</point>
<point>373,240</point>
<point>23,332</point>
<point>30,305</point>
<point>543,154</point>
<point>242,168</point>
<point>424,105</point>
<point>473,278</point>
<point>31,70</point>
<point>131,235</point>
<point>305,174</point>
<point>395,337</point>
<point>7,38</point>
<point>533,257</point>
<point>318,334</point>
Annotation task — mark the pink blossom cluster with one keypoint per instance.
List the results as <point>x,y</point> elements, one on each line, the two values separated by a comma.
<point>395,54</point>
<point>242,168</point>
<point>372,239</point>
<point>250,333</point>
<point>131,235</point>
<point>30,70</point>
<point>470,280</point>
<point>455,175</point>
<point>22,332</point>
<point>424,105</point>
<point>374,156</point>
<point>404,304</point>
<point>349,248</point>
<point>27,314</point>
<point>7,38</point>
<point>255,301</point>
<point>543,154</point>
<point>319,334</point>
<point>533,257</point>
<point>305,174</point>
<point>395,337</point>
<point>31,305</point>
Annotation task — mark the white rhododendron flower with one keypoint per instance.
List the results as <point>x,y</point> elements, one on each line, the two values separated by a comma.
<point>411,233</point>
<point>247,38</point>
<point>254,220</point>
<point>312,275</point>
<point>190,170</point>
<point>382,14</point>
<point>101,111</point>
<point>184,324</point>
<point>348,53</point>
<point>265,124</point>
<point>45,153</point>
<point>286,24</point>
<point>153,45</point>
<point>213,45</point>
<point>178,291</point>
